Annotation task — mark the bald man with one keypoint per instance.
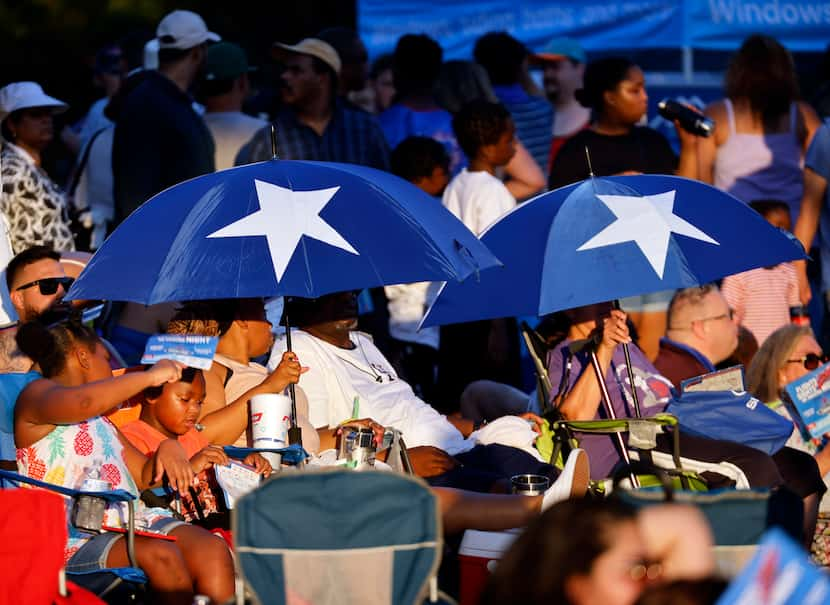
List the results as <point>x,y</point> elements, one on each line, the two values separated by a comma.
<point>701,333</point>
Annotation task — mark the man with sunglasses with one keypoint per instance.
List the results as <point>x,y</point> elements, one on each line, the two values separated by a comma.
<point>36,282</point>
<point>701,333</point>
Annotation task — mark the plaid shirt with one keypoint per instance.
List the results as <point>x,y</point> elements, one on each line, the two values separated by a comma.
<point>352,136</point>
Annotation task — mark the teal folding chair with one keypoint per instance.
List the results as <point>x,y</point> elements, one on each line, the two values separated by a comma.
<point>339,537</point>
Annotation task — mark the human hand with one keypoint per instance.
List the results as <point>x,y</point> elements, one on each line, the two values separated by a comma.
<point>366,423</point>
<point>164,371</point>
<point>428,461</point>
<point>207,457</point>
<point>535,419</point>
<point>260,464</point>
<point>287,372</point>
<point>614,330</point>
<point>171,460</point>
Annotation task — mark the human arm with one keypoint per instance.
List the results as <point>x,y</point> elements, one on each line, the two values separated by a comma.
<point>169,459</point>
<point>582,402</point>
<point>687,163</point>
<point>525,176</point>
<point>823,460</point>
<point>224,425</point>
<point>45,403</point>
<point>707,147</point>
<point>810,124</point>
<point>815,188</point>
<point>678,537</point>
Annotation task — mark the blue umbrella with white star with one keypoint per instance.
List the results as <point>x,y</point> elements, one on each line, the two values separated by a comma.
<point>280,228</point>
<point>608,238</point>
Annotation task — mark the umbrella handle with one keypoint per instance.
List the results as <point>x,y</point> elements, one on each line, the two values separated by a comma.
<point>627,354</point>
<point>295,434</point>
<point>609,411</point>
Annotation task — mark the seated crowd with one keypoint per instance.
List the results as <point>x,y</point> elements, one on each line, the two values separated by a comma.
<point>68,418</point>
<point>477,137</point>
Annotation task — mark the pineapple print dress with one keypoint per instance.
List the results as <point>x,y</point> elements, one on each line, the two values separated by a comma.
<point>67,455</point>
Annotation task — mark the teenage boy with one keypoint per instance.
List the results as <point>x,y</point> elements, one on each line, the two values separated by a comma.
<point>484,349</point>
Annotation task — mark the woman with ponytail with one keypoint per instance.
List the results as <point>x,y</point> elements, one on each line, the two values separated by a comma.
<point>62,438</point>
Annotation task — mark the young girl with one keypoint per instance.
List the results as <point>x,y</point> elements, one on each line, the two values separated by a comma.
<point>171,412</point>
<point>62,438</point>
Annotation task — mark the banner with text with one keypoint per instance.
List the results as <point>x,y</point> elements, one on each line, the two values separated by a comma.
<point>801,25</point>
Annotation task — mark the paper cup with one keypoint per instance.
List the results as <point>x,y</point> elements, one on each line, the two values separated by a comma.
<point>270,419</point>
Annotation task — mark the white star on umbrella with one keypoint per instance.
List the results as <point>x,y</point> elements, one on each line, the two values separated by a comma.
<point>284,217</point>
<point>648,221</point>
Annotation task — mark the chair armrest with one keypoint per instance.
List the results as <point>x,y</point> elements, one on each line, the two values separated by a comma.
<point>293,454</point>
<point>117,495</point>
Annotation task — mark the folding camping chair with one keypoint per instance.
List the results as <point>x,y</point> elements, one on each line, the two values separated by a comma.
<point>115,585</point>
<point>685,472</point>
<point>339,537</point>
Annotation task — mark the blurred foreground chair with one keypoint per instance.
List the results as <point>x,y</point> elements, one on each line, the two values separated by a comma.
<point>33,538</point>
<point>339,536</point>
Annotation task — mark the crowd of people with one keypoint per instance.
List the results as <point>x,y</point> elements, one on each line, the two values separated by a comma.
<point>478,136</point>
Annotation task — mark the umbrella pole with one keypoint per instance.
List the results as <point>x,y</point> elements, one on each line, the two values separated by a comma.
<point>628,367</point>
<point>609,410</point>
<point>295,434</point>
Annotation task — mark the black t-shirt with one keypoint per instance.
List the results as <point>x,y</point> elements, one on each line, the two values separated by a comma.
<point>641,150</point>
<point>159,141</point>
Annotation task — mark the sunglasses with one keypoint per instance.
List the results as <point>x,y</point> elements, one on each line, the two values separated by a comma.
<point>48,285</point>
<point>811,361</point>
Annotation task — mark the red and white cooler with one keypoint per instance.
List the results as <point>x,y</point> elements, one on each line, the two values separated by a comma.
<point>479,554</point>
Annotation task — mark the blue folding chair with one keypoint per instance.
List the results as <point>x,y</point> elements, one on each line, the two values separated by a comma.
<point>114,585</point>
<point>339,537</point>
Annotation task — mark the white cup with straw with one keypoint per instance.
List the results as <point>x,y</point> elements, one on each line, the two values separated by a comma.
<point>270,419</point>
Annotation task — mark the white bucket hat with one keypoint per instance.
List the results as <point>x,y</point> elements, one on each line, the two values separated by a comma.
<point>183,29</point>
<point>23,95</point>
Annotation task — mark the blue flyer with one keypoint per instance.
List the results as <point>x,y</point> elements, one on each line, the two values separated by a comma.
<point>780,573</point>
<point>189,349</point>
<point>809,397</point>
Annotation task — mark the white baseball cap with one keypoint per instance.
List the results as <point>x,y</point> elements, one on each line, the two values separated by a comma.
<point>183,29</point>
<point>23,95</point>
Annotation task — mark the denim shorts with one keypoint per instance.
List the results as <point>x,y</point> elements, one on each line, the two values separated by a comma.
<point>92,556</point>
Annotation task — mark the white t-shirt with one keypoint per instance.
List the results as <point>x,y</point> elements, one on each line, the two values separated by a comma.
<point>478,199</point>
<point>407,305</point>
<point>231,130</point>
<point>337,377</point>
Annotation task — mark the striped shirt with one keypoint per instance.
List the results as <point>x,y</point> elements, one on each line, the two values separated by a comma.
<point>761,298</point>
<point>352,136</point>
<point>533,117</point>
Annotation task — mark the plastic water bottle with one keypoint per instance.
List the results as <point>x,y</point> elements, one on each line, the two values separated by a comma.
<point>89,510</point>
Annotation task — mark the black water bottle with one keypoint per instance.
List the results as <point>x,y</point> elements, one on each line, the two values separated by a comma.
<point>690,120</point>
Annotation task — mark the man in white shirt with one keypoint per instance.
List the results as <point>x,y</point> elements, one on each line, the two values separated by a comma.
<point>226,87</point>
<point>348,377</point>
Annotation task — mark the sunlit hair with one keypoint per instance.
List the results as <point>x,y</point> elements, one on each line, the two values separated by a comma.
<point>687,298</point>
<point>762,375</point>
<point>49,345</point>
<point>563,542</point>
